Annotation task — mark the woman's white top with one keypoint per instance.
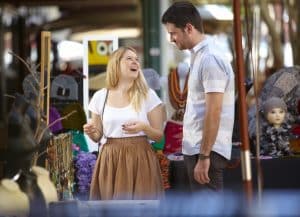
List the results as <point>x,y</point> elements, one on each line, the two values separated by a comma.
<point>114,118</point>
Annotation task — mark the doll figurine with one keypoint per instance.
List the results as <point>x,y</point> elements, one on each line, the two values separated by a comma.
<point>275,132</point>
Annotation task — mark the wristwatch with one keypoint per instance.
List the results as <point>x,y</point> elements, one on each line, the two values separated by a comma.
<point>203,157</point>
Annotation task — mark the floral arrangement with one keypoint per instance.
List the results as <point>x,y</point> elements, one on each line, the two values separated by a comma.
<point>84,165</point>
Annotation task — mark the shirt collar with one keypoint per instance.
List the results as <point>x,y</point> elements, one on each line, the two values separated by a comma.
<point>200,45</point>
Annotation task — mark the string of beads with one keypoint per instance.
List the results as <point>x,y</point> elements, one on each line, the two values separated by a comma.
<point>176,96</point>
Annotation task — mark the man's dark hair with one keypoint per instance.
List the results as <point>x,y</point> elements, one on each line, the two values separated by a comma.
<point>181,13</point>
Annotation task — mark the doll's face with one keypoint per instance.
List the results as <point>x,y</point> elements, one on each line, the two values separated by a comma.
<point>276,117</point>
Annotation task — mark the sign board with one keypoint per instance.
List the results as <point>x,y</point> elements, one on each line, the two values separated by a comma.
<point>99,51</point>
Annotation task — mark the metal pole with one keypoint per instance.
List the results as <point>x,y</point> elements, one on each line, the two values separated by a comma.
<point>151,34</point>
<point>245,150</point>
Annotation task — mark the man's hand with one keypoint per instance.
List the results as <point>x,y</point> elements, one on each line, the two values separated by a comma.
<point>201,171</point>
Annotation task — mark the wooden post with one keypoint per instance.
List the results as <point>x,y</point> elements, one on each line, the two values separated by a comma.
<point>44,95</point>
<point>245,148</point>
<point>45,70</point>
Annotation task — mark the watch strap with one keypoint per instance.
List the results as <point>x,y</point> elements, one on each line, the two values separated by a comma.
<point>203,157</point>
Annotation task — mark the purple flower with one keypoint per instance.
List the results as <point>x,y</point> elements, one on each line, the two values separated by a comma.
<point>84,164</point>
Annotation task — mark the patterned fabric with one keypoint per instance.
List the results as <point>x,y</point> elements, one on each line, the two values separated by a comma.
<point>54,116</point>
<point>173,133</point>
<point>285,84</point>
<point>164,168</point>
<point>275,141</point>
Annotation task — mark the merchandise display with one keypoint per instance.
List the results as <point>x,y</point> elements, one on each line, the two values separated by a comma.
<point>64,87</point>
<point>283,85</point>
<point>54,120</point>
<point>275,134</point>
<point>84,163</point>
<point>177,92</point>
<point>60,164</point>
<point>173,134</point>
<point>178,95</point>
<point>47,160</point>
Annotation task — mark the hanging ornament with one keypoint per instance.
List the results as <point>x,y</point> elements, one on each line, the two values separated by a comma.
<point>176,96</point>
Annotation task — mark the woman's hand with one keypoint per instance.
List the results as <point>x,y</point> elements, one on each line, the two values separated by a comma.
<point>89,129</point>
<point>133,127</point>
<point>93,131</point>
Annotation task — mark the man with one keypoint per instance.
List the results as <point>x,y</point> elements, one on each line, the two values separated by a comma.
<point>209,114</point>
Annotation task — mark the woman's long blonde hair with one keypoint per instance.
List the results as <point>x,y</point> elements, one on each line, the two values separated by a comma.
<point>138,92</point>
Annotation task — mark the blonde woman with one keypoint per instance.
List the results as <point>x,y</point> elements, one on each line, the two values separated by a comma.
<point>125,116</point>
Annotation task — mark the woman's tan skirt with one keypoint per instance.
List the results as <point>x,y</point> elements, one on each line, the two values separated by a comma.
<point>126,168</point>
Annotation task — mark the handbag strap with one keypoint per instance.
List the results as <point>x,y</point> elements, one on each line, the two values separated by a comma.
<point>105,100</point>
